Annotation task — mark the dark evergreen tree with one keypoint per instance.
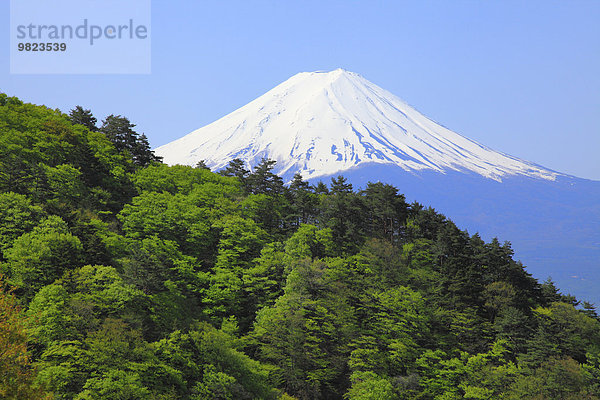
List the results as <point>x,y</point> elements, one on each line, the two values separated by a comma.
<point>550,292</point>
<point>590,310</point>
<point>83,117</point>
<point>340,185</point>
<point>320,188</point>
<point>514,326</point>
<point>142,153</point>
<point>462,274</point>
<point>298,183</point>
<point>263,181</point>
<point>304,201</point>
<point>237,168</point>
<point>500,266</point>
<point>201,165</point>
<point>119,130</point>
<point>426,221</point>
<point>386,211</point>
<point>343,211</point>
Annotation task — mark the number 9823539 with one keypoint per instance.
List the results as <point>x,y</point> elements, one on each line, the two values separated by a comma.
<point>42,46</point>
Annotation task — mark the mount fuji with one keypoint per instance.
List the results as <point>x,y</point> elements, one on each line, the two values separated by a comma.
<point>322,124</point>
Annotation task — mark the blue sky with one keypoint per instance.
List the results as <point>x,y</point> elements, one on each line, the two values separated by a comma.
<point>520,77</point>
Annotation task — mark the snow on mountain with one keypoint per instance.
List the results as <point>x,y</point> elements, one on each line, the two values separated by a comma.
<point>322,123</point>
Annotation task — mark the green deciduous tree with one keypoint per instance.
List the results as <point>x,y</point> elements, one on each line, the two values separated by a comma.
<point>17,376</point>
<point>556,378</point>
<point>209,367</point>
<point>169,217</point>
<point>79,302</point>
<point>369,386</point>
<point>240,242</point>
<point>305,333</point>
<point>39,257</point>
<point>18,216</point>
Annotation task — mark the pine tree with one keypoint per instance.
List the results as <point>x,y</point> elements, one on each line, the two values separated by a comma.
<point>590,310</point>
<point>304,202</point>
<point>201,165</point>
<point>386,210</point>
<point>343,212</point>
<point>263,180</point>
<point>340,185</point>
<point>83,117</point>
<point>550,293</point>
<point>321,188</point>
<point>119,130</point>
<point>237,168</point>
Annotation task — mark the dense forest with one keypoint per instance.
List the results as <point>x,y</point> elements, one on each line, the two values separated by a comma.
<point>124,278</point>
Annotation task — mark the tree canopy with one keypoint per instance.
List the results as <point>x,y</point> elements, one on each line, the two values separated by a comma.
<point>126,278</point>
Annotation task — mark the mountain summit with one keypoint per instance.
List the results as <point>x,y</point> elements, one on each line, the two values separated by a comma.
<point>322,123</point>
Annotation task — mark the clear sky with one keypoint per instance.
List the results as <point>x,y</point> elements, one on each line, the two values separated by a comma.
<point>520,77</point>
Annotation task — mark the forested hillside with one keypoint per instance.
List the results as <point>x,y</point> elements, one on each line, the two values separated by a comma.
<point>123,278</point>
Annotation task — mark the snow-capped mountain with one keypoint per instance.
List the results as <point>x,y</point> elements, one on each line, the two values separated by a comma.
<point>322,123</point>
